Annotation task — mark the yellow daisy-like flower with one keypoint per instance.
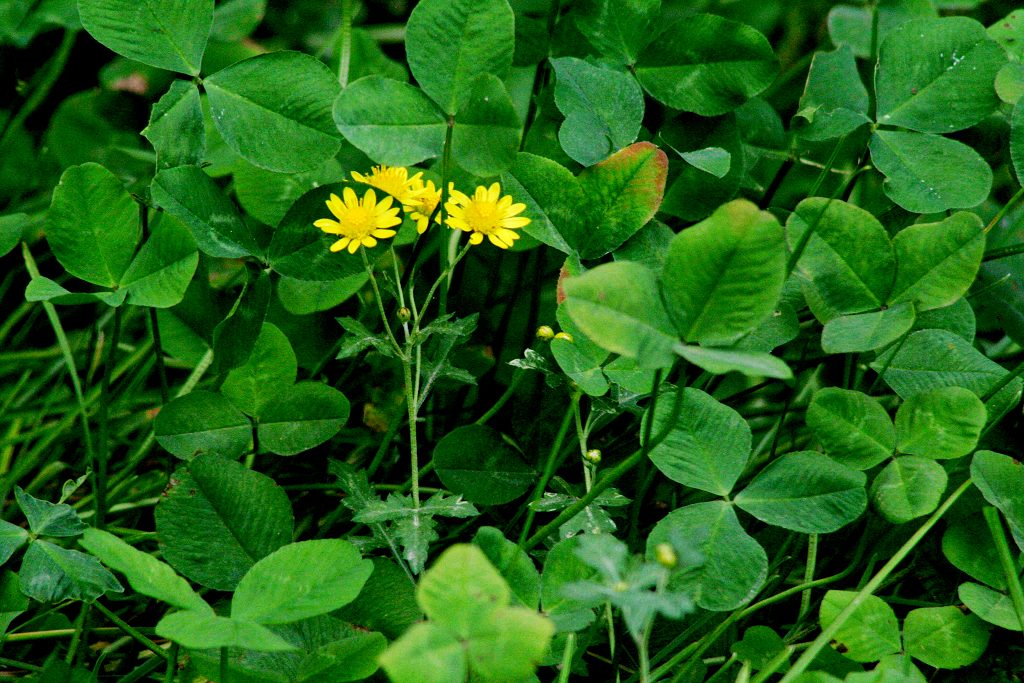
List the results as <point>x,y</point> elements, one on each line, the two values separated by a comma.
<point>360,221</point>
<point>425,204</point>
<point>396,182</point>
<point>486,213</point>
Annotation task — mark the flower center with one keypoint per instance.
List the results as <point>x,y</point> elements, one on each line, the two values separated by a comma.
<point>359,222</point>
<point>482,216</point>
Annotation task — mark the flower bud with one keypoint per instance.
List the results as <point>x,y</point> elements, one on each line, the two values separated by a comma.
<point>666,556</point>
<point>564,335</point>
<point>404,314</point>
<point>621,587</point>
<point>593,456</point>
<point>545,332</point>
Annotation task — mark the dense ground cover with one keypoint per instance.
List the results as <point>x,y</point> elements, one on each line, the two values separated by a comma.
<point>511,340</point>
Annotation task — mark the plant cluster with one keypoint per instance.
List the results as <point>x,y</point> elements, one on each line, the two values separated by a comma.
<point>714,374</point>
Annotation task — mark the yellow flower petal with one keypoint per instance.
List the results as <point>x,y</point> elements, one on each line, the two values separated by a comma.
<point>340,244</point>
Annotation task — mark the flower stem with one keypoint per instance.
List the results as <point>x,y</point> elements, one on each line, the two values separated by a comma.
<point>103,456</point>
<point>345,58</point>
<point>380,303</point>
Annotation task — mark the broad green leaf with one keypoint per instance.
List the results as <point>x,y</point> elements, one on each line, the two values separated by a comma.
<point>392,122</point>
<point>707,64</point>
<point>723,276</point>
<point>274,110</point>
<point>170,34</point>
<point>1000,479</point>
<point>968,545</point>
<point>476,462</point>
<point>11,228</point>
<point>302,297</point>
<point>852,25</point>
<point>1008,32</point>
<point>12,601</point>
<point>176,127</point>
<point>806,492</point>
<point>867,331</point>
<point>202,631</point>
<point>512,562</point>
<point>928,173</point>
<point>45,289</point>
<point>145,573</point>
<point>619,307</point>
<point>992,606</point>
<point>936,75</point>
<point>461,589</point>
<point>940,423</point>
<point>215,503</point>
<point>623,193</point>
<point>908,487</point>
<point>778,328</point>
<point>162,270</point>
<point>749,363</point>
<point>582,368</point>
<point>300,251</point>
<point>267,196</point>
<point>271,369</point>
<point>603,109</point>
<point>853,427</point>
<point>235,336</point>
<point>12,537</point>
<point>487,129</point>
<point>708,446</point>
<point>944,637</point>
<point>51,574</point>
<point>191,196</point>
<point>937,262</point>
<point>236,19</point>
<point>449,43</point>
<point>508,644</point>
<point>714,154</point>
<point>1010,82</point>
<point>387,602</point>
<point>835,101</point>
<point>937,358</point>
<point>301,417</point>
<point>202,422</point>
<point>869,634</point>
<point>299,581</point>
<point>758,647</point>
<point>735,565</point>
<point>93,225</point>
<point>957,318</point>
<point>426,653</point>
<point>617,29</point>
<point>49,519</point>
<point>554,199</point>
<point>563,566</point>
<point>848,263</point>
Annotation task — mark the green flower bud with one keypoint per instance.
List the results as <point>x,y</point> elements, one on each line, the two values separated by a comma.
<point>545,332</point>
<point>666,556</point>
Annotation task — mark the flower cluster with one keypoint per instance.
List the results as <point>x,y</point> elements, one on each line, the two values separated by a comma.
<point>362,221</point>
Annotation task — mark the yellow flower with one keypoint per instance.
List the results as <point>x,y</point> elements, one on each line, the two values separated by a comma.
<point>359,220</point>
<point>396,182</point>
<point>425,204</point>
<point>486,213</point>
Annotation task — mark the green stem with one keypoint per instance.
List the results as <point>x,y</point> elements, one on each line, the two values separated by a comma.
<point>550,466</point>
<point>380,303</point>
<point>615,473</point>
<point>812,561</point>
<point>172,664</point>
<point>1006,379</point>
<point>77,635</point>
<point>446,175</point>
<point>103,456</point>
<point>995,527</point>
<point>223,665</point>
<point>69,361</point>
<point>500,403</point>
<point>1002,213</point>
<point>414,457</point>
<point>133,632</point>
<point>565,667</point>
<point>53,71</point>
<point>870,587</point>
<point>345,58</point>
<point>154,326</point>
<point>15,664</point>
